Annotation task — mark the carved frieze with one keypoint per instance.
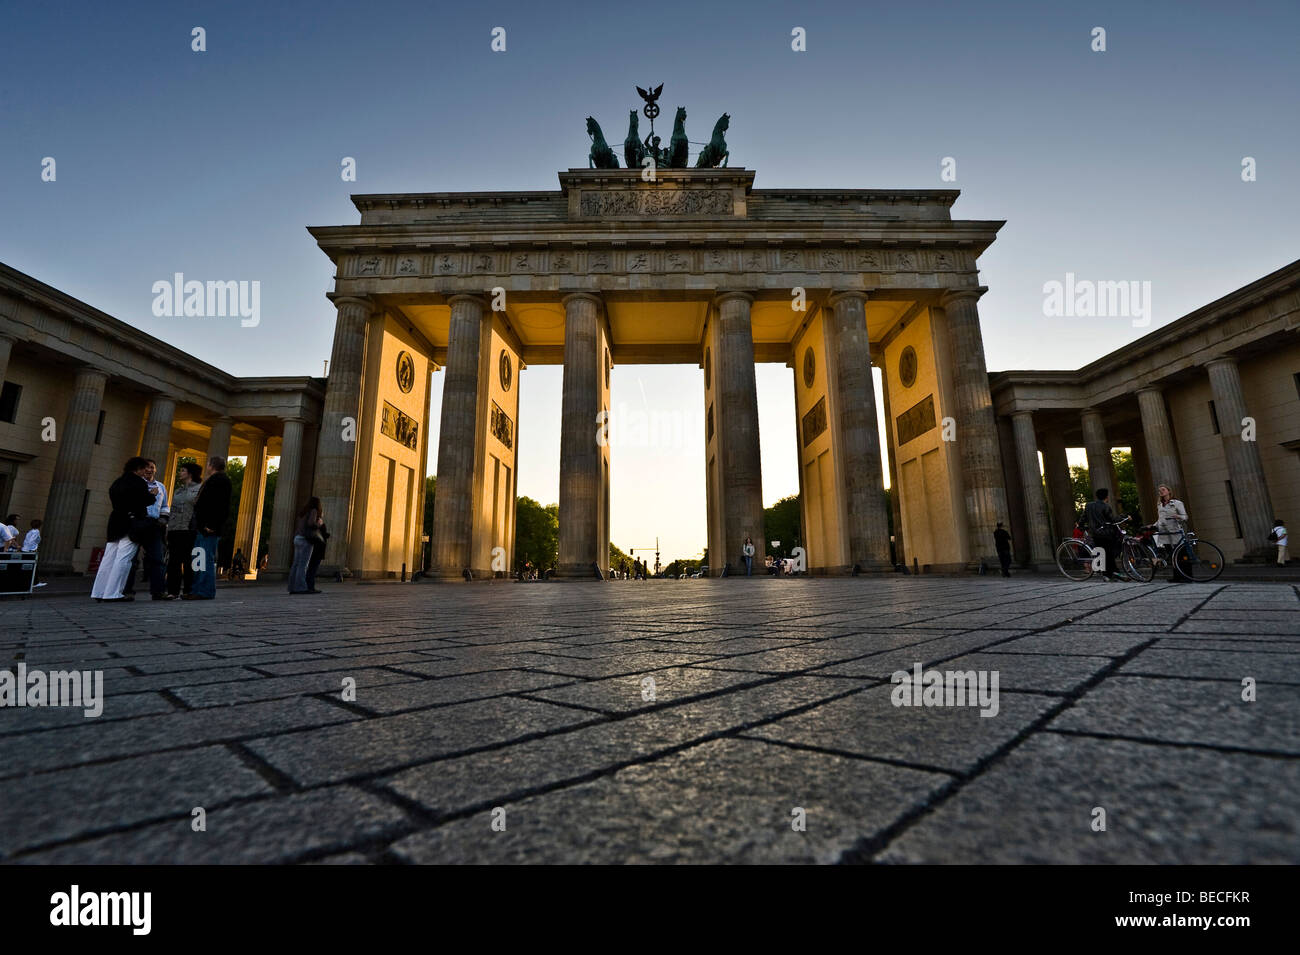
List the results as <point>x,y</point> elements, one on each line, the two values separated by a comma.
<point>627,203</point>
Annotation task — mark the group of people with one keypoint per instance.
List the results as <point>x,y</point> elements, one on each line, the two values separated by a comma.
<point>640,570</point>
<point>10,539</point>
<point>177,539</point>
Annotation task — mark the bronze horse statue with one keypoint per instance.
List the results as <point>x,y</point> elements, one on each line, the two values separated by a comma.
<point>715,153</point>
<point>678,145</point>
<point>601,156</point>
<point>633,148</point>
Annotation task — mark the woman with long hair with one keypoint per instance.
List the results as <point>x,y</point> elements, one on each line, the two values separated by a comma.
<point>305,535</point>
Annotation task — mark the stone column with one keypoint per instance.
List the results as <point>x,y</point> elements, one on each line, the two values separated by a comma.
<point>1040,533</point>
<point>977,434</point>
<point>580,478</point>
<point>219,442</point>
<point>284,509</point>
<point>1060,489</point>
<point>252,494</point>
<point>158,433</point>
<point>857,432</point>
<point>1245,469</point>
<point>1158,433</point>
<point>1101,466</point>
<point>736,414</point>
<point>340,424</point>
<point>76,434</point>
<point>458,437</point>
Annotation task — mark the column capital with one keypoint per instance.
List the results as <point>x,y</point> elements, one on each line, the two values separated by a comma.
<point>580,295</point>
<point>726,294</point>
<point>1022,414</point>
<point>1222,360</point>
<point>286,419</point>
<point>362,302</point>
<point>479,300</point>
<point>1149,390</point>
<point>92,371</point>
<point>838,295</point>
<point>960,294</point>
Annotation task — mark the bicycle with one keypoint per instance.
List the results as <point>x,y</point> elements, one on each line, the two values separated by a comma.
<point>1077,558</point>
<point>1197,560</point>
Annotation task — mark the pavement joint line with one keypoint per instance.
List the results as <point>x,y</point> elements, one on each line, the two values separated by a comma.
<point>861,757</point>
<point>866,848</point>
<point>184,747</point>
<point>171,698</point>
<point>1224,748</point>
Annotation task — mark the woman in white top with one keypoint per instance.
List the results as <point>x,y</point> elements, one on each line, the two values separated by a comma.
<point>1171,516</point>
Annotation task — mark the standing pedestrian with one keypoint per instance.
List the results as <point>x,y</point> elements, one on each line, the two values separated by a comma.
<point>131,498</point>
<point>1002,541</point>
<point>1171,523</point>
<point>153,536</point>
<point>747,551</point>
<point>305,534</point>
<point>1278,536</point>
<point>211,508</point>
<point>317,552</point>
<point>180,536</point>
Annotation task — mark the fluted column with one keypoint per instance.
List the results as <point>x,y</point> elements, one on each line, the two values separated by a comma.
<point>453,504</point>
<point>1040,534</point>
<point>284,509</point>
<point>1060,489</point>
<point>1159,435</point>
<point>76,436</point>
<point>1245,468</point>
<point>580,479</point>
<point>336,452</point>
<point>158,431</point>
<point>219,441</point>
<point>1101,466</point>
<point>736,411</point>
<point>977,433</point>
<point>252,494</point>
<point>858,433</point>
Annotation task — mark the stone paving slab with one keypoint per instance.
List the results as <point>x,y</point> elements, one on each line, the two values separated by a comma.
<point>729,799</point>
<point>769,695</point>
<point>49,807</point>
<point>1163,805</point>
<point>1210,712</point>
<point>868,724</point>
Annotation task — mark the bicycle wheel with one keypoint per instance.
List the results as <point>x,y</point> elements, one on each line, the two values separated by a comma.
<point>1198,560</point>
<point>1074,558</point>
<point>1139,561</point>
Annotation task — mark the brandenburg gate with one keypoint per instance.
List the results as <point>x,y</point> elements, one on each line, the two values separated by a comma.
<point>667,265</point>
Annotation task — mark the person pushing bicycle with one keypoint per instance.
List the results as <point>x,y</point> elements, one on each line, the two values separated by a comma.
<point>1103,524</point>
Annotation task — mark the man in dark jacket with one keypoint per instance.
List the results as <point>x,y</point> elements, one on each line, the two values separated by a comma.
<point>131,499</point>
<point>210,510</point>
<point>1002,543</point>
<point>1099,516</point>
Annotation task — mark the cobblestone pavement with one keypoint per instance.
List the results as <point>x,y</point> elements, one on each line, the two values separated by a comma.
<point>769,696</point>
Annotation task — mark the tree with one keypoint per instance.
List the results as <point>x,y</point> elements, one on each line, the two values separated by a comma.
<point>780,523</point>
<point>617,558</point>
<point>537,533</point>
<point>1126,493</point>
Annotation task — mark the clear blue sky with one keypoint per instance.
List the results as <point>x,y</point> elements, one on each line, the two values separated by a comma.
<point>1117,165</point>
